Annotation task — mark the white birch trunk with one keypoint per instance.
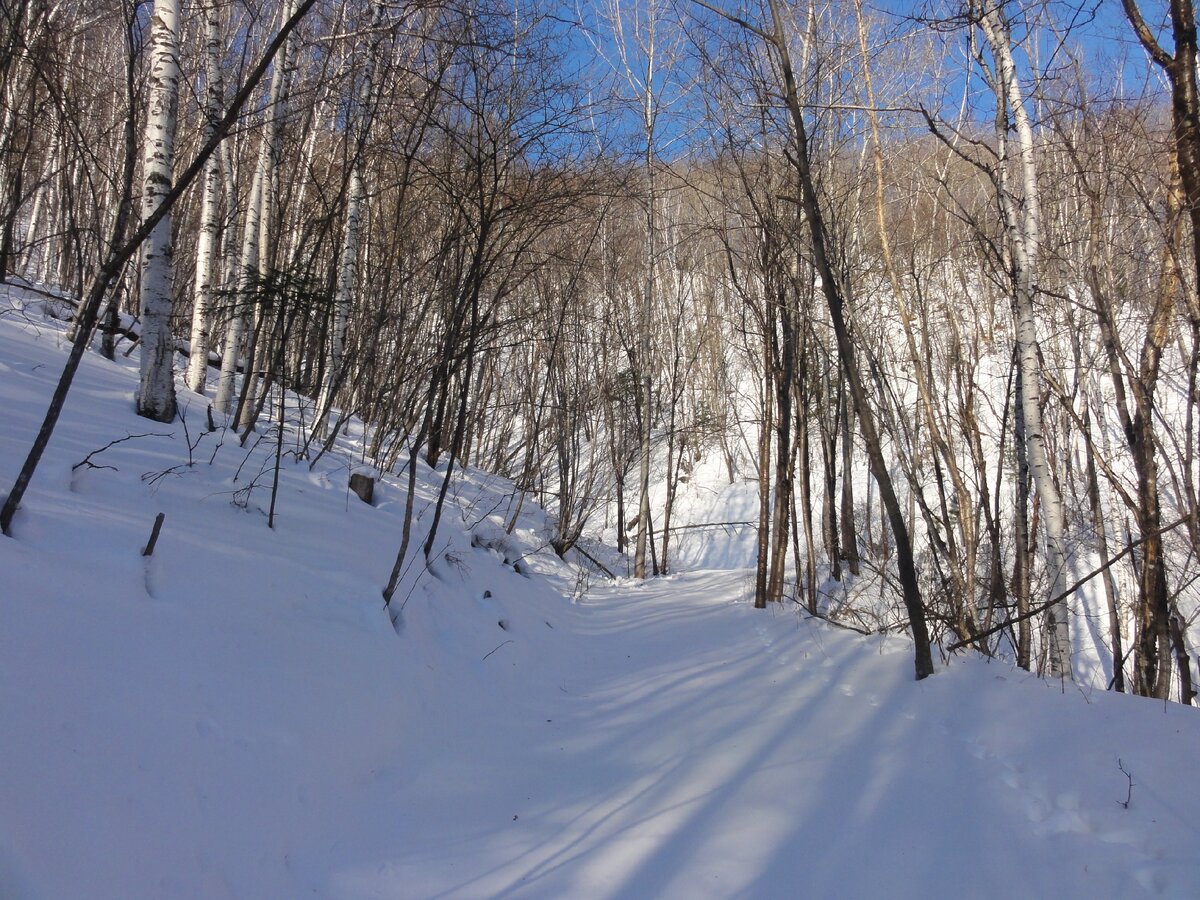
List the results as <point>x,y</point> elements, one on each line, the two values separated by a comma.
<point>268,178</point>
<point>206,244</point>
<point>246,277</point>
<point>229,237</point>
<point>1023,223</point>
<point>348,270</point>
<point>321,123</point>
<point>35,248</point>
<point>343,301</point>
<point>156,387</point>
<point>650,118</point>
<point>254,240</point>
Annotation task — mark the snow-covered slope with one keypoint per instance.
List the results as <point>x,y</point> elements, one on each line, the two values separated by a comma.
<point>237,716</point>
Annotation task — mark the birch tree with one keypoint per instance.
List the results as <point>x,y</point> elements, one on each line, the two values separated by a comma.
<point>775,38</point>
<point>25,27</point>
<point>641,49</point>
<point>119,251</point>
<point>156,387</point>
<point>358,130</point>
<point>210,226</point>
<point>270,156</point>
<point>1021,213</point>
<point>259,203</point>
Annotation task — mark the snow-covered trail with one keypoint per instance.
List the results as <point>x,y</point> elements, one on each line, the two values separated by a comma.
<point>679,744</point>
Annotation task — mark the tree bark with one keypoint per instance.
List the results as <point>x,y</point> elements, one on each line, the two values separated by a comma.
<point>156,385</point>
<point>207,244</point>
<point>1152,665</point>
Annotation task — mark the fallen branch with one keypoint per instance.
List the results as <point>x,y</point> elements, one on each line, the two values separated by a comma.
<point>700,525</point>
<point>834,622</point>
<point>87,460</point>
<point>599,565</point>
<point>497,648</point>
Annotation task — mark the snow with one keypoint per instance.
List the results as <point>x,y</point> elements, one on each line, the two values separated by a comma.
<point>237,716</point>
<point>715,517</point>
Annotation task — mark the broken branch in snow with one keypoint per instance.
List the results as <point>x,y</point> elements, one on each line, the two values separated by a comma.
<point>599,565</point>
<point>87,460</point>
<point>158,520</point>
<point>490,652</point>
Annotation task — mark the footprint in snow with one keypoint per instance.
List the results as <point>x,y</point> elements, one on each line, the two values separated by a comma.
<point>1061,815</point>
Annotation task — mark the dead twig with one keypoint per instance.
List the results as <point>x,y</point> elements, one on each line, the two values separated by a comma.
<point>87,460</point>
<point>497,648</point>
<point>1129,790</point>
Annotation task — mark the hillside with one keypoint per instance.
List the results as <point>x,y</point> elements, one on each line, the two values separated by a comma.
<point>238,716</point>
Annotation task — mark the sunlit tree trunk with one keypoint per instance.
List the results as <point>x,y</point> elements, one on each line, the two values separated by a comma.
<point>156,386</point>
<point>247,277</point>
<point>1152,665</point>
<point>255,238</point>
<point>207,242</point>
<point>1022,220</point>
<point>348,267</point>
<point>270,154</point>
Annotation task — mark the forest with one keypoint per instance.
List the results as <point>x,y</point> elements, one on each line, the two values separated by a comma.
<point>925,275</point>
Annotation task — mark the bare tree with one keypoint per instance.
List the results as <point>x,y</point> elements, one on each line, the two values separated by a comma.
<point>1152,666</point>
<point>1022,220</point>
<point>774,36</point>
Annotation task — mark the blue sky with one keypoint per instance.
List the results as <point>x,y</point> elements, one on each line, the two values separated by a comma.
<point>1095,31</point>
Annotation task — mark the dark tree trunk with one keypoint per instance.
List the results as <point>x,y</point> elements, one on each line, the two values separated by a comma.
<point>830,286</point>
